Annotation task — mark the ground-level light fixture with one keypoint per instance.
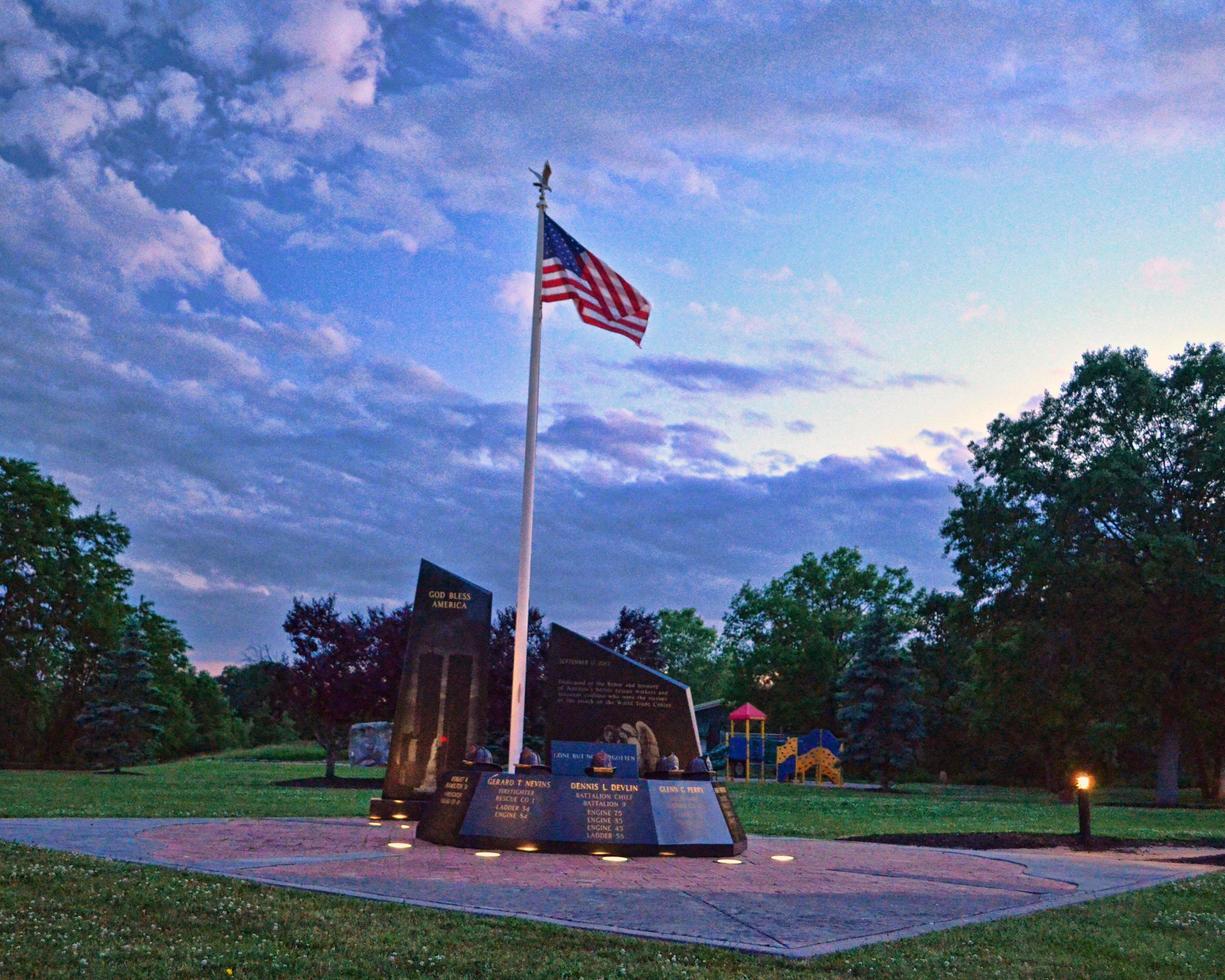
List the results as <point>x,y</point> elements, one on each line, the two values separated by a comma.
<point>614,859</point>
<point>728,861</point>
<point>528,848</point>
<point>399,845</point>
<point>1084,782</point>
<point>781,858</point>
<point>487,854</point>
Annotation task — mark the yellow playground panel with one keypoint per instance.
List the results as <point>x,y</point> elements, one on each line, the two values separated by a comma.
<point>809,754</point>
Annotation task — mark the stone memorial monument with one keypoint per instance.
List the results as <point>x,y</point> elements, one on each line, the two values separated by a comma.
<point>440,710</point>
<point>622,741</point>
<point>597,695</point>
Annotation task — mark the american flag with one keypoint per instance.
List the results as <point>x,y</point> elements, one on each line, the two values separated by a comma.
<point>602,297</point>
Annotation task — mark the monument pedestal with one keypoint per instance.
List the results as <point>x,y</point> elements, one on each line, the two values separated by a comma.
<point>411,808</point>
<point>582,815</point>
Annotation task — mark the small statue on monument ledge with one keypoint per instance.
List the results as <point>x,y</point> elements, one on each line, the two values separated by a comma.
<point>480,759</point>
<point>529,761</point>
<point>669,768</point>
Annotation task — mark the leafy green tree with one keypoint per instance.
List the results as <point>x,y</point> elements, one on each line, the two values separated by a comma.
<point>879,717</point>
<point>119,722</point>
<point>690,652</point>
<point>62,604</point>
<point>942,650</point>
<point>1091,544</point>
<point>787,642</point>
<point>195,714</point>
<point>636,635</point>
<point>258,693</point>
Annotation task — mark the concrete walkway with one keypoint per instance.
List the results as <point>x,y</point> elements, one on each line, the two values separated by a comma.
<point>831,895</point>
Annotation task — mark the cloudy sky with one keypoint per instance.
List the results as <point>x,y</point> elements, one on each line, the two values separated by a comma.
<point>265,276</point>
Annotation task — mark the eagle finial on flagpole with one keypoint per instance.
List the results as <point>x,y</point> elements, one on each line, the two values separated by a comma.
<point>542,179</point>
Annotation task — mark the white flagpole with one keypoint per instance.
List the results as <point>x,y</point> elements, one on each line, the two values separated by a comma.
<point>522,602</point>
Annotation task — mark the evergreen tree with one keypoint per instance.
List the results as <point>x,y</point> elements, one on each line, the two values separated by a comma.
<point>878,693</point>
<point>118,723</point>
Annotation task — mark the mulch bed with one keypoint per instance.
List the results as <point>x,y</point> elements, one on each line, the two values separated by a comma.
<point>1006,841</point>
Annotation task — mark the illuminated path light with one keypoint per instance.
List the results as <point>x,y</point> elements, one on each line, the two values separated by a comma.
<point>399,845</point>
<point>781,858</point>
<point>1084,783</point>
<point>614,859</point>
<point>487,854</point>
<point>728,861</point>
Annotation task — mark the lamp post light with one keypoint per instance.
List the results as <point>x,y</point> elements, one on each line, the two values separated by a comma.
<point>1084,783</point>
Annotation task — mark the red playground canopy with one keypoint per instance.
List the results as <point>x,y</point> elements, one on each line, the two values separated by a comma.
<point>747,712</point>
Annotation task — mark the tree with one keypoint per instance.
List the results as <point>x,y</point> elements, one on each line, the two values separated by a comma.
<point>636,635</point>
<point>787,642</point>
<point>119,720</point>
<point>1093,539</point>
<point>62,604</point>
<point>258,692</point>
<point>879,715</point>
<point>196,717</point>
<point>942,650</point>
<point>344,670</point>
<point>501,663</point>
<point>689,651</point>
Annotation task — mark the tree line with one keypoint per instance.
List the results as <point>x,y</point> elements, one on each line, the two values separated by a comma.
<point>1087,628</point>
<point>68,632</point>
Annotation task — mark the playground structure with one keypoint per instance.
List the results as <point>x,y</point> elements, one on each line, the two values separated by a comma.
<point>744,750</point>
<point>818,753</point>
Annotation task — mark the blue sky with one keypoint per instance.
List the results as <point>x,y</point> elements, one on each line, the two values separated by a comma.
<point>265,276</point>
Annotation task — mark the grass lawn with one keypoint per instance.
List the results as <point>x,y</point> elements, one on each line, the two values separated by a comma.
<point>61,914</point>
<point>243,784</point>
<point>65,915</point>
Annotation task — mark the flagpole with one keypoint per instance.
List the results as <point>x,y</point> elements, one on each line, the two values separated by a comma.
<point>523,599</point>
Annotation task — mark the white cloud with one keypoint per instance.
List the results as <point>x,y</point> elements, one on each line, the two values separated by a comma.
<point>1219,216</point>
<point>28,54</point>
<point>233,363</point>
<point>1162,274</point>
<point>514,295</point>
<point>218,36</point>
<point>336,56</point>
<point>80,227</point>
<point>114,16</point>
<point>180,104</point>
<point>520,18</point>
<point>782,274</point>
<point>55,119</point>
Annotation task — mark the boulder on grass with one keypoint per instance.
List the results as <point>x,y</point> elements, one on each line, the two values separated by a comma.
<point>369,743</point>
